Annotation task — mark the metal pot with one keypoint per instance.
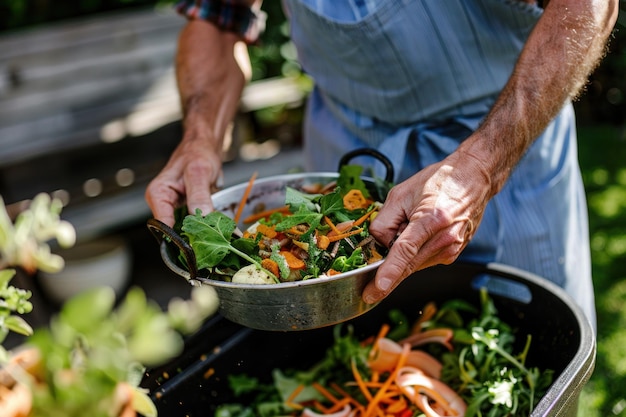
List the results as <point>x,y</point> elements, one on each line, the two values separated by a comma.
<point>288,306</point>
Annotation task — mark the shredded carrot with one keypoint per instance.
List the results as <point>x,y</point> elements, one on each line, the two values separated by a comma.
<point>342,392</point>
<point>363,218</point>
<point>321,407</point>
<point>382,332</point>
<point>373,404</point>
<point>344,235</point>
<point>375,256</point>
<point>271,266</point>
<point>354,199</point>
<point>339,405</point>
<point>327,394</point>
<point>266,230</point>
<point>428,312</point>
<point>384,329</point>
<point>292,260</point>
<point>375,376</point>
<point>290,400</point>
<point>332,272</point>
<point>265,214</point>
<point>332,225</point>
<point>244,198</point>
<point>359,380</point>
<point>397,404</point>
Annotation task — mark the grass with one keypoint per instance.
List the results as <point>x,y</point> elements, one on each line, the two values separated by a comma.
<point>602,158</point>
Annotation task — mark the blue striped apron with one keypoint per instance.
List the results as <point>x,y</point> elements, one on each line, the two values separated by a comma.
<point>413,79</point>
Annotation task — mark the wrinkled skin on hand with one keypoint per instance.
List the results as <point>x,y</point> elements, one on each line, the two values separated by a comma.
<point>192,172</point>
<point>429,219</point>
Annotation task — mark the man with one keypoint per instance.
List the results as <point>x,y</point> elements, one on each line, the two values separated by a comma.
<point>469,98</point>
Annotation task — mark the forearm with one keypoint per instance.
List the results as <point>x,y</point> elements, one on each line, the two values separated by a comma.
<point>210,81</point>
<point>561,52</point>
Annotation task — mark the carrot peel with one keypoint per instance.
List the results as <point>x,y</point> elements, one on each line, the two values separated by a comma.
<point>244,198</point>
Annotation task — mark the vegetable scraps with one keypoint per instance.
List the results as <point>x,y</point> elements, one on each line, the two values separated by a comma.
<point>320,231</point>
<point>453,361</point>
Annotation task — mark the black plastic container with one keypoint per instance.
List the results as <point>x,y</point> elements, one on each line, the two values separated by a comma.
<point>563,340</point>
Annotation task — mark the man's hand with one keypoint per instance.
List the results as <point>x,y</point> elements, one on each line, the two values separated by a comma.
<point>429,219</point>
<point>192,173</point>
<point>212,68</point>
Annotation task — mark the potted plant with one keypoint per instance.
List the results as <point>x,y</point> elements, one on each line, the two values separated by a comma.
<point>92,356</point>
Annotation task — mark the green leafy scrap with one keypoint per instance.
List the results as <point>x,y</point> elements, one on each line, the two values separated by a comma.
<point>297,199</point>
<point>347,263</point>
<point>210,237</point>
<point>350,179</point>
<point>302,216</point>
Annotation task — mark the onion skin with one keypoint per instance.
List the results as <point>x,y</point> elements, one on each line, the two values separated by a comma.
<point>421,389</point>
<point>387,352</point>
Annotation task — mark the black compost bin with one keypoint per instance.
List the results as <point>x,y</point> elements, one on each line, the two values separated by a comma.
<point>563,340</point>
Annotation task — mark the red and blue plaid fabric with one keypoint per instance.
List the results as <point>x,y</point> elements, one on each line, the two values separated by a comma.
<point>240,16</point>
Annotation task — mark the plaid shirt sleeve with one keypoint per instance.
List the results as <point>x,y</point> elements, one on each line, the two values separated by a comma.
<point>243,17</point>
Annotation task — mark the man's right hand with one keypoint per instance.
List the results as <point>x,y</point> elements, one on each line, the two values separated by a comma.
<point>212,68</point>
<point>191,174</point>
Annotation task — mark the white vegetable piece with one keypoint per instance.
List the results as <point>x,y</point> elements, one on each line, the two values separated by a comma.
<point>252,274</point>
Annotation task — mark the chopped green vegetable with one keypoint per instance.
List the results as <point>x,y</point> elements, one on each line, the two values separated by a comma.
<point>348,263</point>
<point>210,237</point>
<point>350,179</point>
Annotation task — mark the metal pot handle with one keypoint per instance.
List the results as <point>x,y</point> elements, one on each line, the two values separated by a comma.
<point>164,233</point>
<point>373,153</point>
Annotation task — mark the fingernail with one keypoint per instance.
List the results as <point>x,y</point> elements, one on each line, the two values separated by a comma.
<point>384,284</point>
<point>382,287</point>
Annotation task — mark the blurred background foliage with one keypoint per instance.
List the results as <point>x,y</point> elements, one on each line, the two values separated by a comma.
<point>601,112</point>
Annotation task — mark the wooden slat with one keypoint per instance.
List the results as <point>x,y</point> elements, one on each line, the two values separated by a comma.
<point>79,82</point>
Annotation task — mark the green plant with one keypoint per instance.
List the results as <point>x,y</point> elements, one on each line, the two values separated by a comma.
<point>24,244</point>
<point>12,300</point>
<point>91,349</point>
<point>91,358</point>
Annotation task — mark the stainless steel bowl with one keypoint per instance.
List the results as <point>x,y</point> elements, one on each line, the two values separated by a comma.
<point>288,306</point>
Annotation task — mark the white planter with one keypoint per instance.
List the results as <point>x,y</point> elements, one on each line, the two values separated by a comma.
<point>102,262</point>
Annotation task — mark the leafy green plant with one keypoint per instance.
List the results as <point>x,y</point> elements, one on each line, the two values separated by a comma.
<point>92,357</point>
<point>91,348</point>
<point>23,244</point>
<point>13,302</point>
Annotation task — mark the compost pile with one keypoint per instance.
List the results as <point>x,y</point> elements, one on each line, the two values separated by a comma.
<point>454,360</point>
